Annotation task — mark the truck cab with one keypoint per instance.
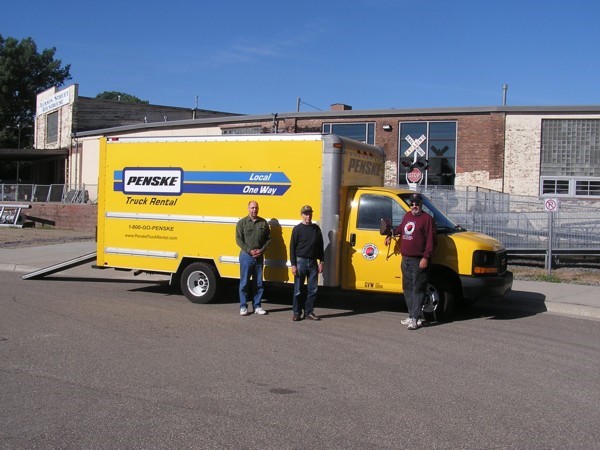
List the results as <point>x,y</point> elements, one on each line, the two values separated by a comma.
<point>466,266</point>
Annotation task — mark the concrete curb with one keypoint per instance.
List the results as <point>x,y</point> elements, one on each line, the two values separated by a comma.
<point>587,312</point>
<point>544,306</point>
<point>4,267</point>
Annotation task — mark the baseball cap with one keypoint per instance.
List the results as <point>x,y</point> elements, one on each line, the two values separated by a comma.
<point>306,209</point>
<point>415,198</point>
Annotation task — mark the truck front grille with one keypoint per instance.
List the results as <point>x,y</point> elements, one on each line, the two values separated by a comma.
<point>502,262</point>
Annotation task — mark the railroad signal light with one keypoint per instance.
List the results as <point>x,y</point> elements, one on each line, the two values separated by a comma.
<point>424,165</point>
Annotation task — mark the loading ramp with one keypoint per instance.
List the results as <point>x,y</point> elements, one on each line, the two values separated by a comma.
<point>79,261</point>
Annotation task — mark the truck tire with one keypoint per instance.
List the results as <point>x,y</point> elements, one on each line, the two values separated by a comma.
<point>439,299</point>
<point>199,282</point>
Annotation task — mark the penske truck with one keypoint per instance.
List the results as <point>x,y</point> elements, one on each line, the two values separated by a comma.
<point>170,205</point>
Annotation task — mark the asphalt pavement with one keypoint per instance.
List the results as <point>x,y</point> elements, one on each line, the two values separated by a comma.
<point>531,296</point>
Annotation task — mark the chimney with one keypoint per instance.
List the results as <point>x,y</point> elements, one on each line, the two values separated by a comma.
<point>340,107</point>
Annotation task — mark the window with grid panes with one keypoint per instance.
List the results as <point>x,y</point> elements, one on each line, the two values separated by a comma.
<point>360,131</point>
<point>439,146</point>
<point>570,157</point>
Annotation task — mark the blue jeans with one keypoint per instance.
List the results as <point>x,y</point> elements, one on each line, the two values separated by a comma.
<point>414,284</point>
<point>306,269</point>
<point>251,279</point>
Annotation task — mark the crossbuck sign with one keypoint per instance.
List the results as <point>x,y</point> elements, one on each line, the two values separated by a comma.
<point>415,145</point>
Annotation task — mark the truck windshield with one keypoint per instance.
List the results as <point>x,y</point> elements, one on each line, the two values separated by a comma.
<point>443,223</point>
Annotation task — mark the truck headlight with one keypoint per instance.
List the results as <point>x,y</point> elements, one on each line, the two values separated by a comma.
<point>485,263</point>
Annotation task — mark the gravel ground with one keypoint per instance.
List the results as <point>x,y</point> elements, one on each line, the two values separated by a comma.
<point>11,237</point>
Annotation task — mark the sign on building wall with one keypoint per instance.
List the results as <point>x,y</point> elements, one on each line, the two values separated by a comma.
<point>57,100</point>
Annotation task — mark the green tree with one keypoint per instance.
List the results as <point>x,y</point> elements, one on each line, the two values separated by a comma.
<point>24,73</point>
<point>120,97</point>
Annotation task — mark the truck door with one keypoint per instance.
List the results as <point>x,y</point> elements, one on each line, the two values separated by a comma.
<point>368,263</point>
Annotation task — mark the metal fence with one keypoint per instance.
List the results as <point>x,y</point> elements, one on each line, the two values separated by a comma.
<point>45,193</point>
<point>521,223</point>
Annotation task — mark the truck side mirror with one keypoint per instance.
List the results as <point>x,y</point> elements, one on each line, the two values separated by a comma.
<point>385,227</point>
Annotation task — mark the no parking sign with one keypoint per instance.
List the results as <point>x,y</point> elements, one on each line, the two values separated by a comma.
<point>551,204</point>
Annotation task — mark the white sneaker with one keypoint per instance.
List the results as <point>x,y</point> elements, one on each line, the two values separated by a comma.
<point>413,324</point>
<point>420,322</point>
<point>405,321</point>
<point>243,311</point>
<point>260,311</point>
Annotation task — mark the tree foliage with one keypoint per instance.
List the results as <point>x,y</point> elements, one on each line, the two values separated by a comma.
<point>24,73</point>
<point>120,97</point>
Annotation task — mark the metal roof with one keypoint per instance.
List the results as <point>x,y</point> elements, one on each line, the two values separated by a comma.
<point>31,154</point>
<point>392,112</point>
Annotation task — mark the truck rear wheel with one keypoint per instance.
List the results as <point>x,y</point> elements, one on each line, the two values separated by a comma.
<point>199,282</point>
<point>439,299</point>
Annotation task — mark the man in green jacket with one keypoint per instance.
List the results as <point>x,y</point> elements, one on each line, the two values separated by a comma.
<point>252,235</point>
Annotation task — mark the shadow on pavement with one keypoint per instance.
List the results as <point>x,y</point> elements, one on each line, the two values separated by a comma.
<point>333,303</point>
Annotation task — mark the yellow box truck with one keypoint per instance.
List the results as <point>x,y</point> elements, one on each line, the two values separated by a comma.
<point>170,205</point>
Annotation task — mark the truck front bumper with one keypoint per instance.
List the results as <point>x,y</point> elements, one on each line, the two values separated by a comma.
<point>480,288</point>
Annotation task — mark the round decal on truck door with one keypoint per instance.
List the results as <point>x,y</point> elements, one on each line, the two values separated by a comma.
<point>370,251</point>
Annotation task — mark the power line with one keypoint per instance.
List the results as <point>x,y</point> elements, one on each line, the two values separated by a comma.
<point>299,102</point>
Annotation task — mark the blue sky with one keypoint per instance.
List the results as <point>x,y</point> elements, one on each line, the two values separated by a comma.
<point>258,57</point>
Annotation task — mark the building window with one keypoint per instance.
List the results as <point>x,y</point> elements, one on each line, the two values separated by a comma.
<point>570,157</point>
<point>52,128</point>
<point>362,132</point>
<point>434,142</point>
<point>587,187</point>
<point>555,186</point>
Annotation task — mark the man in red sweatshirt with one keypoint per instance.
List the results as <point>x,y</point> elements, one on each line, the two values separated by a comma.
<point>417,243</point>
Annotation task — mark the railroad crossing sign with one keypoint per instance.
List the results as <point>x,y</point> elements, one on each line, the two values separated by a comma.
<point>415,145</point>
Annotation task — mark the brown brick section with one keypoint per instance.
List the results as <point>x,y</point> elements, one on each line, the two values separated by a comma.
<point>79,217</point>
<point>480,144</point>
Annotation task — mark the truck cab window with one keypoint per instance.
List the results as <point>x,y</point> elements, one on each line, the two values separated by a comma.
<point>443,223</point>
<point>373,208</point>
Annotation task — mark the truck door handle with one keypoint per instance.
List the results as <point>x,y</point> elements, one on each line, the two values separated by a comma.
<point>352,239</point>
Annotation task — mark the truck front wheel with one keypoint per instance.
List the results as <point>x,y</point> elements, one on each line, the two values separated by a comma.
<point>199,282</point>
<point>439,299</point>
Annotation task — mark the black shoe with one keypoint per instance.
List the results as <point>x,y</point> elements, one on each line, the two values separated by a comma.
<point>296,317</point>
<point>313,316</point>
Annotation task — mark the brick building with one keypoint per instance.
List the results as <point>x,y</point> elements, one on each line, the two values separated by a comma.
<point>61,114</point>
<point>519,150</point>
<point>530,151</point>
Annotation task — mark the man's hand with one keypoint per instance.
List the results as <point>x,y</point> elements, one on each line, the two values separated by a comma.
<point>423,263</point>
<point>294,270</point>
<point>388,240</point>
<point>321,267</point>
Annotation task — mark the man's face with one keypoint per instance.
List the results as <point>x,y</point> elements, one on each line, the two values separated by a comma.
<point>415,207</point>
<point>253,210</point>
<point>307,217</point>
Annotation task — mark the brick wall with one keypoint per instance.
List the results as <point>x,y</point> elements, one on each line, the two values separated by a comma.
<point>479,153</point>
<point>79,217</point>
<point>523,151</point>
